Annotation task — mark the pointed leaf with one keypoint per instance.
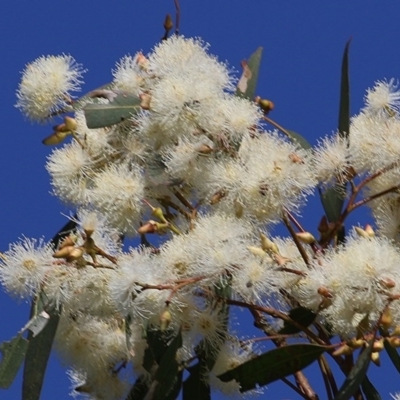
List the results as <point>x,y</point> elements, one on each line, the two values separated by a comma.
<point>79,103</point>
<point>369,390</point>
<point>356,375</point>
<point>274,365</point>
<point>122,107</point>
<point>344,105</point>
<point>168,369</point>
<point>40,346</point>
<point>301,315</point>
<point>299,139</point>
<point>332,201</point>
<point>246,86</point>
<point>13,354</point>
<point>139,389</point>
<point>196,387</point>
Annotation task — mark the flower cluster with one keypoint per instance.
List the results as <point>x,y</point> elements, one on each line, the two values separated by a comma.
<point>195,164</point>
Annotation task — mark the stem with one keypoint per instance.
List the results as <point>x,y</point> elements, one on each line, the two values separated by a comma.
<point>295,238</point>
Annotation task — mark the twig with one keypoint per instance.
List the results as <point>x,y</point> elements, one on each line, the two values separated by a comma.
<point>177,16</point>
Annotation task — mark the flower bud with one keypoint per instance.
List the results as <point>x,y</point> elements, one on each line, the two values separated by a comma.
<point>70,123</point>
<point>63,252</point>
<point>55,138</point>
<point>75,254</point>
<point>168,24</point>
<point>257,251</point>
<point>378,345</point>
<point>343,350</point>
<point>376,359</point>
<point>305,237</point>
<point>165,320</point>
<point>394,341</point>
<point>356,343</point>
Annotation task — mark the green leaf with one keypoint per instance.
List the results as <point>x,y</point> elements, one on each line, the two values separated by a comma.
<point>393,355</point>
<point>369,390</point>
<point>299,139</point>
<point>196,387</point>
<point>333,198</point>
<point>79,103</point>
<point>344,105</point>
<point>39,347</point>
<point>301,315</point>
<point>167,370</point>
<point>274,365</point>
<point>248,81</point>
<point>13,354</point>
<point>139,389</point>
<point>356,375</point>
<point>121,107</point>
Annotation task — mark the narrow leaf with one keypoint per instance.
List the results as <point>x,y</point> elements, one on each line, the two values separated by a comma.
<point>195,387</point>
<point>13,354</point>
<point>274,365</point>
<point>167,369</point>
<point>40,346</point>
<point>393,355</point>
<point>246,86</point>
<point>139,389</point>
<point>333,198</point>
<point>356,375</point>
<point>301,315</point>
<point>122,107</point>
<point>299,139</point>
<point>344,105</point>
<point>369,390</point>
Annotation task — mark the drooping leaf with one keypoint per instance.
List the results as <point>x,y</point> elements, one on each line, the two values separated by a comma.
<point>167,369</point>
<point>356,375</point>
<point>247,84</point>
<point>175,387</point>
<point>273,365</point>
<point>393,355</point>
<point>195,387</point>
<point>13,354</point>
<point>121,107</point>
<point>81,102</point>
<point>40,345</point>
<point>369,390</point>
<point>301,315</point>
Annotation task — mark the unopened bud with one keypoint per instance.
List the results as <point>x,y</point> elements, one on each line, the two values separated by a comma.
<point>168,24</point>
<point>63,252</point>
<point>361,232</point>
<point>257,251</point>
<point>305,237</point>
<point>68,241</point>
<point>75,254</point>
<point>375,358</point>
<point>205,149</point>
<point>343,350</point>
<point>264,104</point>
<point>70,123</point>
<point>296,159</point>
<point>165,320</point>
<point>387,283</point>
<point>217,197</point>
<point>369,230</point>
<point>396,331</point>
<point>324,292</point>
<point>158,213</point>
<point>145,99</point>
<point>394,341</point>
<point>55,138</point>
<point>268,245</point>
<point>378,345</point>
<point>149,227</point>
<point>356,343</point>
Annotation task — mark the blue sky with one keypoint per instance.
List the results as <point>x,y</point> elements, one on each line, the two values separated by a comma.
<point>303,43</point>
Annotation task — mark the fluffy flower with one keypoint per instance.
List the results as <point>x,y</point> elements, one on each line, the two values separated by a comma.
<point>23,267</point>
<point>128,74</point>
<point>70,168</point>
<point>46,85</point>
<point>118,193</point>
<point>383,98</point>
